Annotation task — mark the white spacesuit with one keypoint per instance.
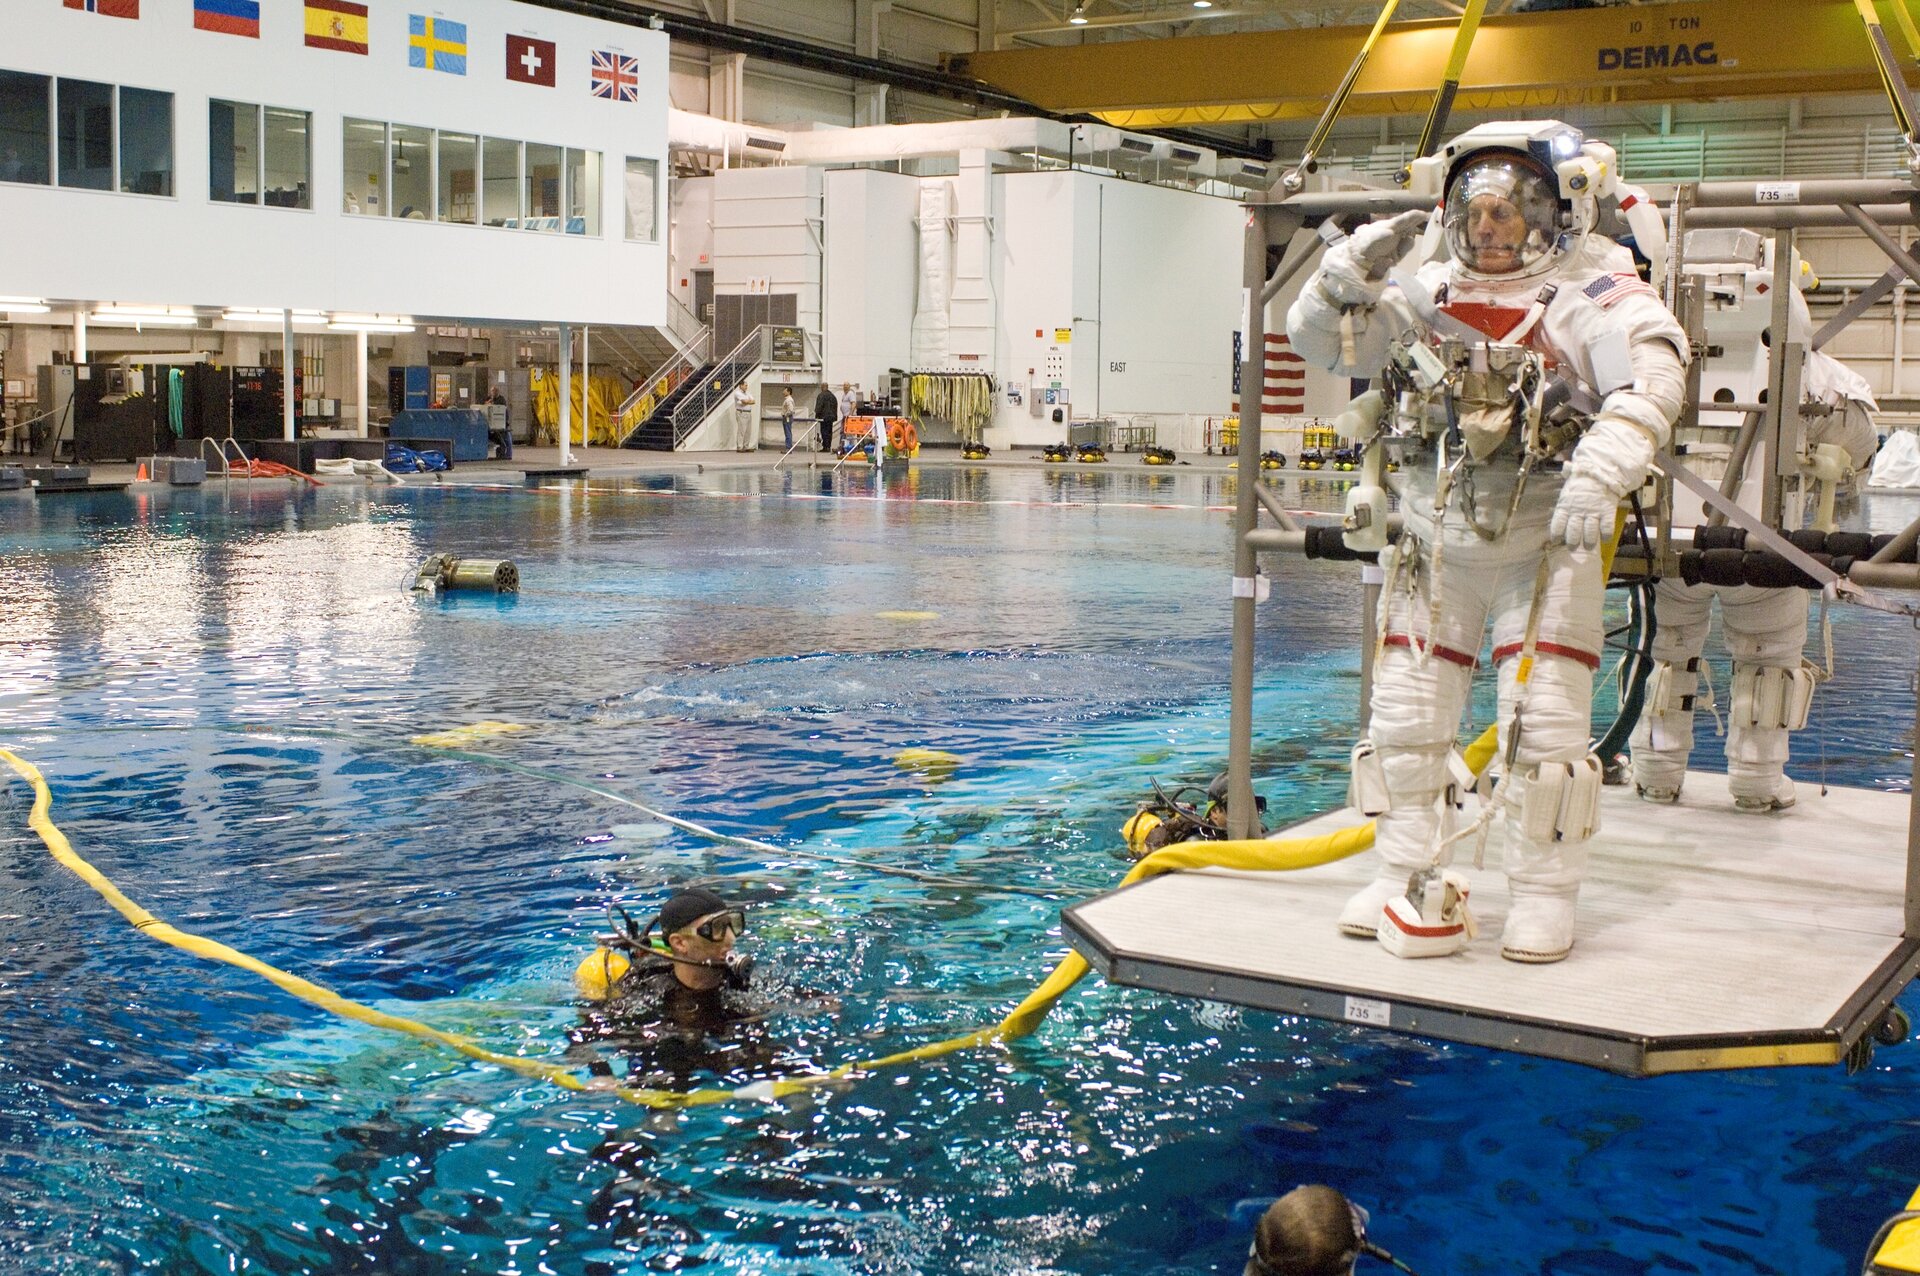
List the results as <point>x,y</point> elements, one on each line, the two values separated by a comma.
<point>1764,629</point>
<point>1534,309</point>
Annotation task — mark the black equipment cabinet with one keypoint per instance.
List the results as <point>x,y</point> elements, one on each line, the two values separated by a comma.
<point>116,414</point>
<point>256,403</point>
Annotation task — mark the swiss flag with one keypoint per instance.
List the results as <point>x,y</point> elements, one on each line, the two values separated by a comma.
<point>530,61</point>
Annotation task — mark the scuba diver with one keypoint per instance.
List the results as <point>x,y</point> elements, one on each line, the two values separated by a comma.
<point>677,999</point>
<point>1526,385</point>
<point>1167,819</point>
<point>1312,1231</point>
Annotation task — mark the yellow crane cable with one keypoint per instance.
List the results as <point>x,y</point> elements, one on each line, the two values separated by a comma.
<point>1450,81</point>
<point>1296,177</point>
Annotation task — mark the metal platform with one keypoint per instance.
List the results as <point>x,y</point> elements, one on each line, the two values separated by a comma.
<point>1707,939</point>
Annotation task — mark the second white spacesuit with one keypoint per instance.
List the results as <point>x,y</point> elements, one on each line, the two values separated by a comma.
<point>1500,521</point>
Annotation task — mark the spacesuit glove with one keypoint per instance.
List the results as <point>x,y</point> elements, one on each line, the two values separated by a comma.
<point>1355,270</point>
<point>1583,516</point>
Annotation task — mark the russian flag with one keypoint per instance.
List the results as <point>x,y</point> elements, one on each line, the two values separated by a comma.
<point>229,17</point>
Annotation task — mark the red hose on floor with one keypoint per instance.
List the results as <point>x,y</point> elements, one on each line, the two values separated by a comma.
<point>269,469</point>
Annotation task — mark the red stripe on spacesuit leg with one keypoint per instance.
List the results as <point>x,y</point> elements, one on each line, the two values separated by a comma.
<point>1447,654</point>
<point>1565,652</point>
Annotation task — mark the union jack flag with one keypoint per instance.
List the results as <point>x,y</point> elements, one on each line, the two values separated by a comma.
<point>616,76</point>
<point>1608,289</point>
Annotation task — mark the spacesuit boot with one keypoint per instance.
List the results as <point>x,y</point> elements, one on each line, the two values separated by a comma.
<point>1403,836</point>
<point>1756,776</point>
<point>1544,878</point>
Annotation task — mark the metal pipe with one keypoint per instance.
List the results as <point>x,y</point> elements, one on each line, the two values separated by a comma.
<point>360,365</point>
<point>1863,301</point>
<point>1885,575</point>
<point>1777,215</point>
<point>1271,504</point>
<point>1323,204</point>
<point>1373,579</point>
<point>1900,546</point>
<point>1886,190</point>
<point>289,364</point>
<point>1883,241</point>
<point>1737,464</point>
<point>1773,420</point>
<point>564,358</point>
<point>1241,821</point>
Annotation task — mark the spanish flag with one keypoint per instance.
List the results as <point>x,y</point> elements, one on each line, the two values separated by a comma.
<point>340,25</point>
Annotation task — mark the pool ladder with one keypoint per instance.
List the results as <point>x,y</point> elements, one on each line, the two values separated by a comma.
<point>219,447</point>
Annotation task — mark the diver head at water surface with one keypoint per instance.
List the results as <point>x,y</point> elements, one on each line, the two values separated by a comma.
<point>1312,1231</point>
<point>686,949</point>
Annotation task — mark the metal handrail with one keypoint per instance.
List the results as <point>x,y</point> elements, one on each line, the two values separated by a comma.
<point>727,374</point>
<point>220,454</point>
<point>677,369</point>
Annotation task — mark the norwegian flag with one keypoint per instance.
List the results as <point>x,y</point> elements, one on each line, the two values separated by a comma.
<point>1608,289</point>
<point>111,8</point>
<point>1285,391</point>
<point>616,76</point>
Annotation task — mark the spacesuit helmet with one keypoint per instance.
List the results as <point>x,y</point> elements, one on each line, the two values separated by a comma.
<point>1502,215</point>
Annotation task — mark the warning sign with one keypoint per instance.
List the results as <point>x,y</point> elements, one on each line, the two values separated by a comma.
<point>1061,336</point>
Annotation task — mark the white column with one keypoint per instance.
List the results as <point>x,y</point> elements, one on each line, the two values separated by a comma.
<point>288,356</point>
<point>566,393</point>
<point>360,366</point>
<point>80,333</point>
<point>586,384</point>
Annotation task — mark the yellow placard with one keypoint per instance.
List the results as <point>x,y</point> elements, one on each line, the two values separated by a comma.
<point>1062,336</point>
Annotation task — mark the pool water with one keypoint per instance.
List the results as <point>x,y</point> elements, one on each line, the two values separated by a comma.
<point>220,686</point>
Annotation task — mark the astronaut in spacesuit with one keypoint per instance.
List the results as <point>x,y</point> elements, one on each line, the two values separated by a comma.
<point>1525,385</point>
<point>1765,629</point>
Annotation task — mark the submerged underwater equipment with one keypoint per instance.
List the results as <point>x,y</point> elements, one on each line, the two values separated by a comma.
<point>444,572</point>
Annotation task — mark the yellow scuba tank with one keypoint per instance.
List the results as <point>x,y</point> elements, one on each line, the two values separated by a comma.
<point>599,972</point>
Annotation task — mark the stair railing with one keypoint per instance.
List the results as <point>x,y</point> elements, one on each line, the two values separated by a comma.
<point>647,396</point>
<point>717,386</point>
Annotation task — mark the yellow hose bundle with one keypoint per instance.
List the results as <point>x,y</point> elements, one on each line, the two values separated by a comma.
<point>963,399</point>
<point>593,416</point>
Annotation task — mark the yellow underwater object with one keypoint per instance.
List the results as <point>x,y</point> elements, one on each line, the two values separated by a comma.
<point>907,615</point>
<point>1137,830</point>
<point>933,764</point>
<point>599,971</point>
<point>465,737</point>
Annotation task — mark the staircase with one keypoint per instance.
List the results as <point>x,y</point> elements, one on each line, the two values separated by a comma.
<point>693,392</point>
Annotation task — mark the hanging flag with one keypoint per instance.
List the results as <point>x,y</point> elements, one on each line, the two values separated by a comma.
<point>229,17</point>
<point>340,25</point>
<point>112,8</point>
<point>530,61</point>
<point>436,44</point>
<point>616,77</point>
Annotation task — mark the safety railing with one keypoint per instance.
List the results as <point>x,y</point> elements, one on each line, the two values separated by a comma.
<point>717,386</point>
<point>219,447</point>
<point>663,381</point>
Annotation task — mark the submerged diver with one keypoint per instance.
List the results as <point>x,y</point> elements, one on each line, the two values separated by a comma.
<point>1312,1231</point>
<point>677,999</point>
<point>1167,819</point>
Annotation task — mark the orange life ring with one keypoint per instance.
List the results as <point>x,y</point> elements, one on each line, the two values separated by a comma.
<point>910,437</point>
<point>897,434</point>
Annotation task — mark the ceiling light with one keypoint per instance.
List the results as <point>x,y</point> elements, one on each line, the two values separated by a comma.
<point>1203,4</point>
<point>250,314</point>
<point>139,316</point>
<point>23,308</point>
<point>15,303</point>
<point>1079,18</point>
<point>371,323</point>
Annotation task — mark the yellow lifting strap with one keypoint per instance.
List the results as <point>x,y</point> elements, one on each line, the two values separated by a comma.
<point>1904,20</point>
<point>1892,79</point>
<point>1450,83</point>
<point>1296,177</point>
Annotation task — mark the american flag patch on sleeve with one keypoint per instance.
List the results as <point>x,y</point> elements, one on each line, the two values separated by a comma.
<point>1608,289</point>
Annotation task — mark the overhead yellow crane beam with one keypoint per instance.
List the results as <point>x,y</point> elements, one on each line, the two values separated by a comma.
<point>1700,51</point>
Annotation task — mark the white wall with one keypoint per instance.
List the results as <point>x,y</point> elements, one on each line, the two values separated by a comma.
<point>185,250</point>
<point>766,233</point>
<point>871,259</point>
<point>690,211</point>
<point>1035,253</point>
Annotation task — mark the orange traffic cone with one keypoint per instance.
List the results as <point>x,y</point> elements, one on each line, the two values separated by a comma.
<point>140,475</point>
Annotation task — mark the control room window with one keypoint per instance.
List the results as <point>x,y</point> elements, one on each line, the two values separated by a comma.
<point>412,150</point>
<point>146,142</point>
<point>363,167</point>
<point>543,187</point>
<point>459,177</point>
<point>233,152</point>
<point>643,200</point>
<point>26,127</point>
<point>583,192</point>
<point>288,148</point>
<point>500,181</point>
<point>84,111</point>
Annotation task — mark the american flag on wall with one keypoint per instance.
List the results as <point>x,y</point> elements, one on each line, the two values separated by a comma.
<point>1285,390</point>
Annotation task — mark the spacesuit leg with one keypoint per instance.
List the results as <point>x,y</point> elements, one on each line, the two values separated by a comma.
<point>1416,718</point>
<point>1663,737</point>
<point>1547,831</point>
<point>1765,630</point>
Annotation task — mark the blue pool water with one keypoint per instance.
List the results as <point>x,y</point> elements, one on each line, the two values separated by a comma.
<point>220,687</point>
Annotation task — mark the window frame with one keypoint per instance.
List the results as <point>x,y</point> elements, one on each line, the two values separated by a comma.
<point>50,153</point>
<point>626,203</point>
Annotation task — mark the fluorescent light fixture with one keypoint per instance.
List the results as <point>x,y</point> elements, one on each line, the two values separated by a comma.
<point>141,316</point>
<point>1203,4</point>
<point>22,308</point>
<point>16,303</point>
<point>1079,18</point>
<point>249,314</point>
<point>371,323</point>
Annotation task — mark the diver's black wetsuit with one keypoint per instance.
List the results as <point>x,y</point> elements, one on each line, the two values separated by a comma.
<point>669,1032</point>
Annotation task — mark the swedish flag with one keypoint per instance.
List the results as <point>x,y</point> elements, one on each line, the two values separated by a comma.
<point>436,44</point>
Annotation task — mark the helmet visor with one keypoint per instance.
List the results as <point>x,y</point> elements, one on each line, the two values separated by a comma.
<point>1503,215</point>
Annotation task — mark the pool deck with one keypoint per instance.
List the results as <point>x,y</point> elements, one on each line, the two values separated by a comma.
<point>1706,939</point>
